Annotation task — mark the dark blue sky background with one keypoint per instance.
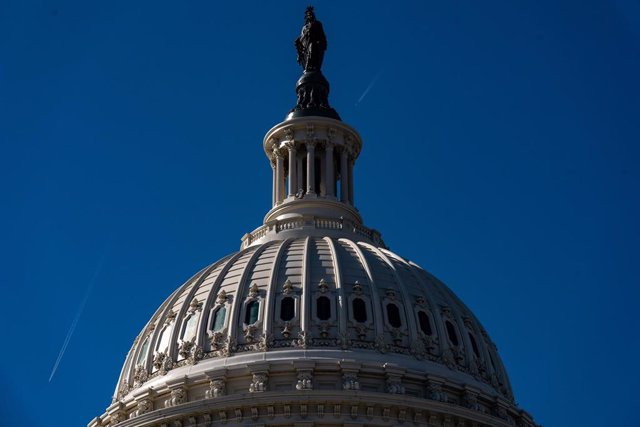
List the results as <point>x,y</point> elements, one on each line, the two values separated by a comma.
<point>501,152</point>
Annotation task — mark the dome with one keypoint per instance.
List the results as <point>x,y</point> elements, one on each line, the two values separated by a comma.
<point>314,321</point>
<point>315,315</point>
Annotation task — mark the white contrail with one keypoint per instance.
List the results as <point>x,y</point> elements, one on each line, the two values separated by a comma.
<point>78,313</point>
<point>366,91</point>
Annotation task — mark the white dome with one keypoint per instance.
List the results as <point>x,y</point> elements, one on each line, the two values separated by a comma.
<point>313,315</point>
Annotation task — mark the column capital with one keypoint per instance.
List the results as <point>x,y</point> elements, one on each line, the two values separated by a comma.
<point>328,145</point>
<point>277,153</point>
<point>311,143</point>
<point>290,145</point>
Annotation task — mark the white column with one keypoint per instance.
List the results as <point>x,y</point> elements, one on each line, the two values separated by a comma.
<point>293,168</point>
<point>311,168</point>
<point>279,176</point>
<point>344,177</point>
<point>329,182</point>
<point>274,185</point>
<point>300,180</point>
<point>322,185</point>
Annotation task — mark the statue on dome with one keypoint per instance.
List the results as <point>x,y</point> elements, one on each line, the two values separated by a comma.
<point>312,88</point>
<point>312,42</point>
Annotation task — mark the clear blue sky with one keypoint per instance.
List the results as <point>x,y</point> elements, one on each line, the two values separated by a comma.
<point>501,153</point>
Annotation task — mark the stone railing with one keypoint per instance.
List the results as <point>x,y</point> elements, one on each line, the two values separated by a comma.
<point>311,222</point>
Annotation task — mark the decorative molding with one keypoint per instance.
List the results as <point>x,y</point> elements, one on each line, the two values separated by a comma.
<point>162,362</point>
<point>195,306</point>
<point>140,375</point>
<point>178,397</point>
<point>254,291</point>
<point>323,286</point>
<point>217,388</point>
<point>287,287</point>
<point>144,405</point>
<point>258,382</point>
<point>305,380</point>
<point>350,381</point>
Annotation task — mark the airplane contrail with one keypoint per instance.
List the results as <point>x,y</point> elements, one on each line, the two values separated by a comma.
<point>79,312</point>
<point>366,91</point>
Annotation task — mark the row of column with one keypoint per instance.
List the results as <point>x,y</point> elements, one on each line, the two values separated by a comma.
<point>328,175</point>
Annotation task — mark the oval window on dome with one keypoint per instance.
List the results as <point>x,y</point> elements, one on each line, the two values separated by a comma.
<point>425,323</point>
<point>142,356</point>
<point>474,345</point>
<point>359,310</point>
<point>287,309</point>
<point>451,331</point>
<point>251,312</point>
<point>323,308</point>
<point>393,315</point>
<point>218,319</point>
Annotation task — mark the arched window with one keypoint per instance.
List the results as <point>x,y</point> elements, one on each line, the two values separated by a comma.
<point>323,308</point>
<point>451,331</point>
<point>359,310</point>
<point>142,356</point>
<point>393,314</point>
<point>425,323</point>
<point>251,313</point>
<point>287,309</point>
<point>217,323</point>
<point>474,345</point>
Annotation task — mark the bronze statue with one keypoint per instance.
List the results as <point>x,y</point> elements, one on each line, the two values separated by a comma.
<point>312,42</point>
<point>312,87</point>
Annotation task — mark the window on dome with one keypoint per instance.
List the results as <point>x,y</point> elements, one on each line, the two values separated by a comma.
<point>251,313</point>
<point>163,343</point>
<point>451,331</point>
<point>393,314</point>
<point>474,345</point>
<point>323,308</point>
<point>359,310</point>
<point>218,319</point>
<point>287,309</point>
<point>142,356</point>
<point>189,329</point>
<point>425,323</point>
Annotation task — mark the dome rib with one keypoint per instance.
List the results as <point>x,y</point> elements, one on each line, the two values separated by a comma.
<point>375,298</point>
<point>180,318</point>
<point>272,286</point>
<point>305,321</point>
<point>241,292</point>
<point>213,293</point>
<point>342,306</point>
<point>410,318</point>
<point>161,321</point>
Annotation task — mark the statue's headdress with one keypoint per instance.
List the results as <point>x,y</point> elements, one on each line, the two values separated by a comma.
<point>309,14</point>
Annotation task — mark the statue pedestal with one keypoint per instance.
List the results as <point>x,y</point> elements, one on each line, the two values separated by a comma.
<point>312,89</point>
